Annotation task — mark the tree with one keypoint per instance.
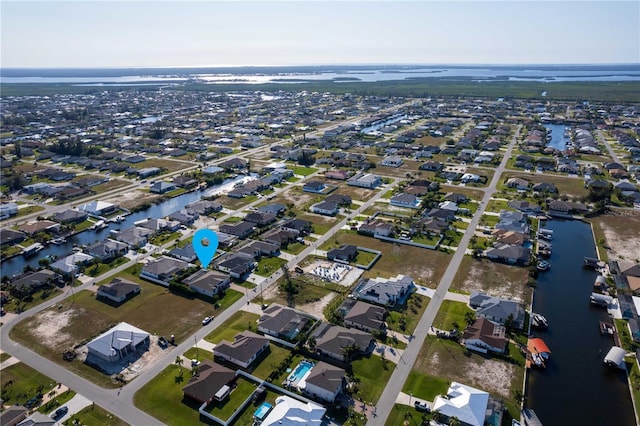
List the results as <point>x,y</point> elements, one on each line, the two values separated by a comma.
<point>17,150</point>
<point>469,317</point>
<point>178,361</point>
<point>306,158</point>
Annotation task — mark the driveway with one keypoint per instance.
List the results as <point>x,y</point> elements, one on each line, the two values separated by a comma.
<point>75,404</point>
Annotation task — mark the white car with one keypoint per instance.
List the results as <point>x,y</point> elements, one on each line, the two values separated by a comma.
<point>207,320</point>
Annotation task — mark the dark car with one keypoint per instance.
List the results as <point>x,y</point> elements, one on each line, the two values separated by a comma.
<point>60,412</point>
<point>422,406</point>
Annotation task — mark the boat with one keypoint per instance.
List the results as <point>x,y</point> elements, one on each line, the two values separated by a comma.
<point>99,225</point>
<point>537,360</point>
<point>538,321</point>
<point>32,249</point>
<point>58,241</point>
<point>606,328</point>
<point>545,234</point>
<point>601,300</point>
<point>591,262</point>
<point>543,265</point>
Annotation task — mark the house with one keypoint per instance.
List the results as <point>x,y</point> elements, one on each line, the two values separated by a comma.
<point>392,161</point>
<point>212,381</point>
<point>70,216</point>
<point>236,264</point>
<point>186,253</point>
<point>456,197</point>
<point>207,282</point>
<point>497,310</point>
<point>244,350</point>
<point>163,269</point>
<point>314,186</point>
<point>184,216</point>
<point>509,253</point>
<point>303,227</point>
<point>366,317</point>
<point>385,292</point>
<point>37,419</point>
<point>260,219</point>
<point>405,200</point>
<point>282,322</point>
<point>345,253</point>
<point>509,237</point>
<point>467,404</point>
<point>98,208</point>
<point>159,225</point>
<point>204,207</point>
<point>566,207</point>
<point>107,249</point>
<point>234,164</point>
<point>325,382</point>
<point>135,237</point>
<point>469,177</point>
<point>376,227</point>
<point>32,228</point>
<point>118,342</point>
<point>241,229</point>
<point>257,249</point>
<point>29,283</point>
<point>518,183</point>
<point>484,335</point>
<point>337,174</point>
<point>212,170</point>
<point>292,412</point>
<point>340,199</point>
<point>146,172</point>
<point>11,237</point>
<point>524,206</point>
<point>162,187</point>
<point>279,237</point>
<point>69,264</point>
<point>544,187</point>
<point>362,180</point>
<point>185,182</point>
<point>118,290</point>
<point>444,215</point>
<point>273,208</point>
<point>332,340</point>
<point>432,166</point>
<point>13,415</point>
<point>327,208</point>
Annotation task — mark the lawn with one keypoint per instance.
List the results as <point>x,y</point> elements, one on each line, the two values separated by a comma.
<point>425,386</point>
<point>246,417</point>
<point>565,185</point>
<point>4,356</point>
<point>450,314</point>
<point>164,237</point>
<point>489,220</point>
<point>364,257</point>
<point>198,353</point>
<point>162,398</point>
<point>374,373</point>
<point>308,292</point>
<point>108,186</point>
<point>100,268</point>
<point>95,415</point>
<point>28,210</point>
<point>497,205</point>
<point>40,296</point>
<point>237,323</point>
<point>268,265</point>
<point>224,409</point>
<point>168,165</point>
<point>398,258</point>
<point>303,171</point>
<point>270,361</point>
<point>21,382</point>
<point>416,306</point>
<point>405,415</point>
<point>294,248</point>
<point>57,401</point>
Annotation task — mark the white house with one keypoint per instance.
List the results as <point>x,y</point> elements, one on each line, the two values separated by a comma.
<point>118,342</point>
<point>8,209</point>
<point>291,412</point>
<point>467,404</point>
<point>69,265</point>
<point>386,292</point>
<point>364,181</point>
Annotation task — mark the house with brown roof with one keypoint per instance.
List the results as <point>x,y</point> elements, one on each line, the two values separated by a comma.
<point>214,381</point>
<point>376,227</point>
<point>244,350</point>
<point>334,341</point>
<point>40,226</point>
<point>484,335</point>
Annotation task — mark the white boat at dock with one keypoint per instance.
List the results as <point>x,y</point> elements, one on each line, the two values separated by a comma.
<point>99,225</point>
<point>539,321</point>
<point>32,249</point>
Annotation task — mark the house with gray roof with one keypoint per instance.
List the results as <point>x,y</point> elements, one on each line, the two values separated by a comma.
<point>345,253</point>
<point>332,340</point>
<point>237,265</point>
<point>241,229</point>
<point>29,283</point>
<point>118,290</point>
<point>282,322</point>
<point>366,317</point>
<point>384,291</point>
<point>71,264</point>
<point>135,237</point>
<point>509,253</point>
<point>204,207</point>
<point>118,343</point>
<point>107,249</point>
<point>327,208</point>
<point>207,282</point>
<point>162,187</point>
<point>244,350</point>
<point>496,309</point>
<point>325,382</point>
<point>212,378</point>
<point>163,269</point>
<point>186,253</point>
<point>70,216</point>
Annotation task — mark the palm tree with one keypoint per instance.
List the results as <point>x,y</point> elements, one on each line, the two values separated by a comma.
<point>178,361</point>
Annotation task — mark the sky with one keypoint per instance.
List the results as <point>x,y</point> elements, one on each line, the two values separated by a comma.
<point>59,34</point>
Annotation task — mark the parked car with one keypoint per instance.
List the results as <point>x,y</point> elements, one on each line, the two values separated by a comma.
<point>60,412</point>
<point>421,406</point>
<point>207,320</point>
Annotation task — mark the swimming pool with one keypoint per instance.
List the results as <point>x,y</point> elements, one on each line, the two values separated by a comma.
<point>300,371</point>
<point>262,411</point>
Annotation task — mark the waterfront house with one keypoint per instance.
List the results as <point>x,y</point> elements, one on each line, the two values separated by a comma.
<point>162,187</point>
<point>31,282</point>
<point>69,265</point>
<point>135,237</point>
<point>107,250</point>
<point>497,310</point>
<point>467,404</point>
<point>484,335</point>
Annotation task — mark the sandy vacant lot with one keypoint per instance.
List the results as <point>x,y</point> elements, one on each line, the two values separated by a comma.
<point>622,234</point>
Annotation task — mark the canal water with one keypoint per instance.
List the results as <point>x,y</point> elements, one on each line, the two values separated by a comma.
<point>575,388</point>
<point>558,140</point>
<point>16,264</point>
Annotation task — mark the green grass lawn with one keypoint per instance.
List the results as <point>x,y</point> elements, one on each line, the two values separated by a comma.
<point>162,398</point>
<point>451,313</point>
<point>374,374</point>
<point>416,306</point>
<point>429,240</point>
<point>268,265</point>
<point>35,299</point>
<point>83,225</point>
<point>497,205</point>
<point>246,417</point>
<point>198,353</point>
<point>233,219</point>
<point>425,386</point>
<point>4,356</point>
<point>275,356</point>
<point>28,210</point>
<point>459,224</point>
<point>100,268</point>
<point>364,257</point>
<point>165,237</point>
<point>405,415</point>
<point>489,220</point>
<point>57,401</point>
<point>303,171</point>
<point>239,322</point>
<point>224,409</point>
<point>95,415</point>
<point>21,382</point>
<point>294,248</point>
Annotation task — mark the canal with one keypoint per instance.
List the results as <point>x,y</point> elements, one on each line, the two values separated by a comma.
<point>575,388</point>
<point>16,264</point>
<point>558,140</point>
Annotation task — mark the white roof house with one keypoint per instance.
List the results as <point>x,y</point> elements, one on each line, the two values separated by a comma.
<point>69,264</point>
<point>97,207</point>
<point>291,412</point>
<point>467,404</point>
<point>615,357</point>
<point>118,342</point>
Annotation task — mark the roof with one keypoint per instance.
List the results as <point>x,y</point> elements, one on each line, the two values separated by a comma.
<point>116,338</point>
<point>487,332</point>
<point>118,287</point>
<point>205,279</point>
<point>367,315</point>
<point>68,264</point>
<point>385,290</point>
<point>326,376</point>
<point>211,378</point>
<point>96,206</point>
<point>465,403</point>
<point>291,412</point>
<point>282,320</point>
<point>615,357</point>
<point>164,266</point>
<point>244,346</point>
<point>538,345</point>
<point>333,338</point>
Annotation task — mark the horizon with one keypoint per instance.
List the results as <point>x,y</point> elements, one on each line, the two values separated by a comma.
<point>223,34</point>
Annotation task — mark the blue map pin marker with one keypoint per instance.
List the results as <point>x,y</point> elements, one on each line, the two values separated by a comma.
<point>205,252</point>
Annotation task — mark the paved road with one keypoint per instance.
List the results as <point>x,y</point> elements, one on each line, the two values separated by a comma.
<point>400,374</point>
<point>612,153</point>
